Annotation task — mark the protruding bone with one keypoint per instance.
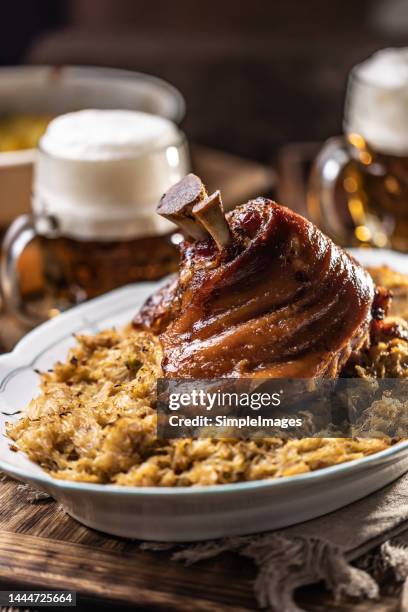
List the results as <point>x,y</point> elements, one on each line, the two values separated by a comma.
<point>177,205</point>
<point>211,215</point>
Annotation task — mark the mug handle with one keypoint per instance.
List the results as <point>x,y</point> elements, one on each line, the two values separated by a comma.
<point>321,200</point>
<point>19,235</point>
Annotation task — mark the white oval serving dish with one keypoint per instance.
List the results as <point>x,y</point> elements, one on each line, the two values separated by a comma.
<point>182,514</point>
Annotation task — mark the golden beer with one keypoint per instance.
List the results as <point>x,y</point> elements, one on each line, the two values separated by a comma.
<point>359,182</point>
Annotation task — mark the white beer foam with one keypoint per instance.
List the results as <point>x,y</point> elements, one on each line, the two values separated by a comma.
<point>101,173</point>
<point>106,134</point>
<point>377,101</point>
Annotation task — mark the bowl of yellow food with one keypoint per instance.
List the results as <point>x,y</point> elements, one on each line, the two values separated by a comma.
<point>30,96</point>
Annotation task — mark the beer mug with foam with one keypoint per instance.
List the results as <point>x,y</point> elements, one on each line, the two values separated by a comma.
<point>98,178</point>
<point>359,183</point>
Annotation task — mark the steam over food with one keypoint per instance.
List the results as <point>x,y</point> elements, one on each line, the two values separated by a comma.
<point>261,292</point>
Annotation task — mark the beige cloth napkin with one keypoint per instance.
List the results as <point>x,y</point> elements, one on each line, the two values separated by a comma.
<point>323,549</point>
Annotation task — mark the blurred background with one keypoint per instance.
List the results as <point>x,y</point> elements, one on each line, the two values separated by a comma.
<point>255,74</point>
<point>264,85</point>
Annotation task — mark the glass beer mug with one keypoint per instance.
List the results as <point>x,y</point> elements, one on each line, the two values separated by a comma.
<point>358,190</point>
<point>98,178</point>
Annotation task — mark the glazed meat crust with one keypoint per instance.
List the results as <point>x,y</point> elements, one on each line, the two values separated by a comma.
<point>282,300</point>
<point>158,310</point>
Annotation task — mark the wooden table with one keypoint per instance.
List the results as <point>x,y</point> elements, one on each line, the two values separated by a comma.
<point>42,547</point>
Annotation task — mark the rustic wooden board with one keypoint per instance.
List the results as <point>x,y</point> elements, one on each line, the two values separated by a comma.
<point>41,546</point>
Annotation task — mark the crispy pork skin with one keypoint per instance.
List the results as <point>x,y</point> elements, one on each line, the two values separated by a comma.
<point>280,300</point>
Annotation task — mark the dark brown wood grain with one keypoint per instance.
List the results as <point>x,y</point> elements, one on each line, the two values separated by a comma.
<point>41,546</point>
